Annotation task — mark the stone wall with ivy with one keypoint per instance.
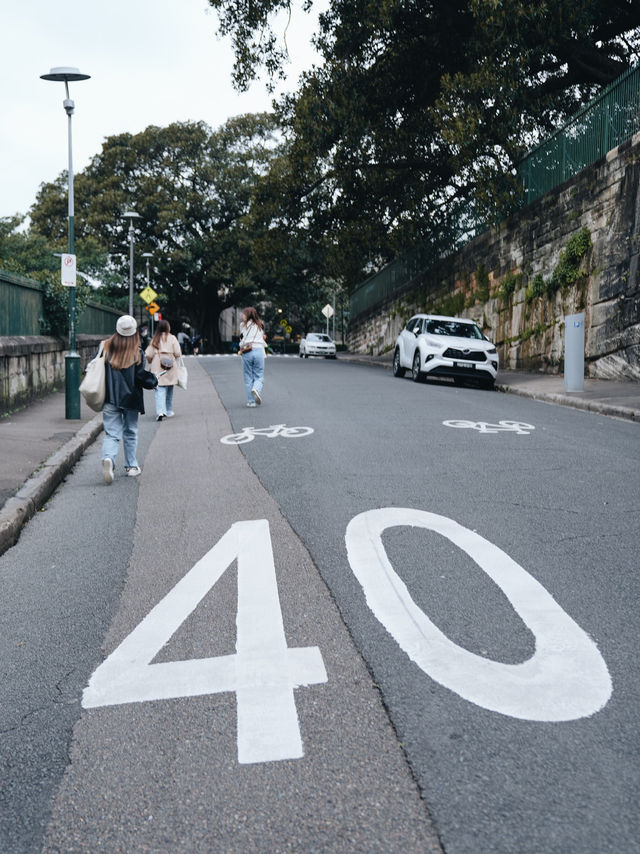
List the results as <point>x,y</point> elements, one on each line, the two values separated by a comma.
<point>575,249</point>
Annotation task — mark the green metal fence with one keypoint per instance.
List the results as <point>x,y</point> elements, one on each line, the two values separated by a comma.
<point>607,121</point>
<point>96,319</point>
<point>21,309</point>
<point>610,119</point>
<point>20,305</point>
<point>389,282</point>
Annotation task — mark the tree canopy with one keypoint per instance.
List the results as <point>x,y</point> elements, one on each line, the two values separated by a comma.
<point>192,188</point>
<point>415,120</point>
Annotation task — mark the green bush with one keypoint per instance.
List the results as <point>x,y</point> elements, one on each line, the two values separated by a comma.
<point>567,272</point>
<point>482,284</point>
<point>55,307</point>
<point>509,284</point>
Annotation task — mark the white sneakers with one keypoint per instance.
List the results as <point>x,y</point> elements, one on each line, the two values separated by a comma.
<point>107,470</point>
<point>256,396</point>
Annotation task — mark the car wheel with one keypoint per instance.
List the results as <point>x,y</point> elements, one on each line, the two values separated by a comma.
<point>416,374</point>
<point>398,370</point>
<point>300,354</point>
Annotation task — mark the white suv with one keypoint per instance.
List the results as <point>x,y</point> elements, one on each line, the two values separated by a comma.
<point>317,344</point>
<point>434,346</point>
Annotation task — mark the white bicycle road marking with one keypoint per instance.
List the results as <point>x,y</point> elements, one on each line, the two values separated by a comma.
<point>519,427</point>
<point>565,679</point>
<point>263,673</point>
<point>248,434</point>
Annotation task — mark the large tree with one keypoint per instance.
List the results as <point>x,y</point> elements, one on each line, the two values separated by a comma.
<point>416,119</point>
<point>192,188</point>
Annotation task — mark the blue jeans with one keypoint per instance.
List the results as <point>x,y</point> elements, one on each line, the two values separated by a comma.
<point>253,370</point>
<point>120,424</point>
<point>164,399</point>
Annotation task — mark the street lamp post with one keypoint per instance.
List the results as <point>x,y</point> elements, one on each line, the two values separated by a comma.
<point>131,215</point>
<point>72,358</point>
<point>148,256</point>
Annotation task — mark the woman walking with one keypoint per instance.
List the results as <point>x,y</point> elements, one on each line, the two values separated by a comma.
<point>252,346</point>
<point>125,377</point>
<point>163,354</point>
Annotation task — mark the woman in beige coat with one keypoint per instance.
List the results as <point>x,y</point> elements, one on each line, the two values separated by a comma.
<point>163,353</point>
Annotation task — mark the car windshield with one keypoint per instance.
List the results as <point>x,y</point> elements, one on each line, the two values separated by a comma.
<point>453,327</point>
<point>316,336</point>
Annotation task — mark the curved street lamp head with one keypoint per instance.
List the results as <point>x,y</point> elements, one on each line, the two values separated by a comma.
<point>65,74</point>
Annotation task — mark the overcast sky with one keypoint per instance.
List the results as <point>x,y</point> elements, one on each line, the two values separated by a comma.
<point>150,61</point>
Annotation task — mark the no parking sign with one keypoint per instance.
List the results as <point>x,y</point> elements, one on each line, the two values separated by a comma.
<point>68,270</point>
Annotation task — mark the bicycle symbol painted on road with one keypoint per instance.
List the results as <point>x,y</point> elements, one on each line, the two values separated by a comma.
<point>248,434</point>
<point>519,427</point>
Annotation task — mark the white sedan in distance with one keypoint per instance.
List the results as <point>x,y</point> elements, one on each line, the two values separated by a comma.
<point>435,346</point>
<point>317,344</point>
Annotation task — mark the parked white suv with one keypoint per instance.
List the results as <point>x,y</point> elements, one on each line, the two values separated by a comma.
<point>317,344</point>
<point>435,346</point>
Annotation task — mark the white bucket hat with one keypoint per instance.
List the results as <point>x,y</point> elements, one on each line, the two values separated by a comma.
<point>126,325</point>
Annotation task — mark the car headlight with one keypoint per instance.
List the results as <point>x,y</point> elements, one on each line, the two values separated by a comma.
<point>492,350</point>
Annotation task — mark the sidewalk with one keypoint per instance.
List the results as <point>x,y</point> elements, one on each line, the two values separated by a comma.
<point>39,446</point>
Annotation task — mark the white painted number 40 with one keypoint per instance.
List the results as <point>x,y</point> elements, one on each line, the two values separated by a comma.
<point>565,679</point>
<point>263,673</point>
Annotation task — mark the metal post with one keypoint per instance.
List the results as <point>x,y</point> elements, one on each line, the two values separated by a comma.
<point>131,215</point>
<point>72,357</point>
<point>131,267</point>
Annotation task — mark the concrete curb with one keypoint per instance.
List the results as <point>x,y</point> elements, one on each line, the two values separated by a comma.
<point>33,495</point>
<point>597,406</point>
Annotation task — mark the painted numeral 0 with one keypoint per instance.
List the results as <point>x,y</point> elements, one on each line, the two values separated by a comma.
<point>565,679</point>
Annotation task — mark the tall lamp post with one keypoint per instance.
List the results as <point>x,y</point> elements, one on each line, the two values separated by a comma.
<point>131,215</point>
<point>72,358</point>
<point>148,256</point>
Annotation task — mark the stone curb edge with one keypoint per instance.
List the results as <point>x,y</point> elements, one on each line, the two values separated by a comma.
<point>33,494</point>
<point>595,406</point>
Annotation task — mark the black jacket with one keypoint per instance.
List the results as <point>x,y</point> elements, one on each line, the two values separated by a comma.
<point>124,387</point>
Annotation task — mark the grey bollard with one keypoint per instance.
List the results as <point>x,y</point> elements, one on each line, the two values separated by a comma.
<point>574,352</point>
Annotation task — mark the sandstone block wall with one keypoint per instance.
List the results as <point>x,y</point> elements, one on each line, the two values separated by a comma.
<point>491,278</point>
<point>33,365</point>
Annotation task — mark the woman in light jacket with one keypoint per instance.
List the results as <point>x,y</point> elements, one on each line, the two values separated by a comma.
<point>252,347</point>
<point>163,353</point>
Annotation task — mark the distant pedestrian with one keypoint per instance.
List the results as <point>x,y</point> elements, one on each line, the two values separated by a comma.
<point>125,377</point>
<point>144,336</point>
<point>183,341</point>
<point>163,354</point>
<point>196,340</point>
<point>252,346</point>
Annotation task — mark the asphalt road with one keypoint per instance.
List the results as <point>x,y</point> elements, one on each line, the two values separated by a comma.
<point>561,500</point>
<point>223,713</point>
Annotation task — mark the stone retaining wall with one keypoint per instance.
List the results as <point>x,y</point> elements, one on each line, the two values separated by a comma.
<point>492,278</point>
<point>33,365</point>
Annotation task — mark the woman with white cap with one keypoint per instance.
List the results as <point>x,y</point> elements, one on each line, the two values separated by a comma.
<point>125,377</point>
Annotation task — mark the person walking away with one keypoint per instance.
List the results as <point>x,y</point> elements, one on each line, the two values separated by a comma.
<point>183,341</point>
<point>125,378</point>
<point>252,347</point>
<point>163,353</point>
<point>144,336</point>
